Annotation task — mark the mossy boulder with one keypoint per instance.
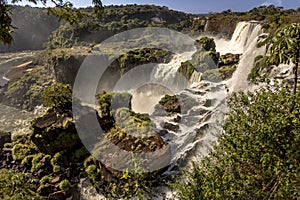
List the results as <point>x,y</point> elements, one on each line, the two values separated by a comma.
<point>186,69</point>
<point>55,132</point>
<point>170,104</point>
<point>229,59</point>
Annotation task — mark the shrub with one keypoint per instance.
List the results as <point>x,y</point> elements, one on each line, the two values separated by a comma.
<point>93,172</point>
<point>57,95</point>
<point>65,185</point>
<point>15,185</point>
<point>257,156</point>
<point>46,179</point>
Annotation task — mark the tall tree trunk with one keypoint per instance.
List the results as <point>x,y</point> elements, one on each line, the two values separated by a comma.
<point>295,76</point>
<point>296,71</point>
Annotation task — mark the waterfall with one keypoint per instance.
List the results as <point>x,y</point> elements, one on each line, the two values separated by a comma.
<point>164,79</point>
<point>244,41</point>
<point>243,36</point>
<point>249,39</point>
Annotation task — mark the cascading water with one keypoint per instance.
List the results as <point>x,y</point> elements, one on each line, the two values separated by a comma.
<point>202,103</point>
<point>241,39</point>
<point>244,41</point>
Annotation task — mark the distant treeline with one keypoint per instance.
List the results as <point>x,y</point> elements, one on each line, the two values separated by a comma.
<point>34,25</point>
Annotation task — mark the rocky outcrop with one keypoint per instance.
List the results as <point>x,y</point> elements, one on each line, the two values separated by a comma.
<point>229,59</point>
<point>55,132</point>
<point>170,104</point>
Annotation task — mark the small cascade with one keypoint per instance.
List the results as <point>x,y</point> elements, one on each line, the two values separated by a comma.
<point>195,77</point>
<point>167,73</point>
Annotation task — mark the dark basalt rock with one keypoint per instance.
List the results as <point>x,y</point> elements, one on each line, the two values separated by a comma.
<point>171,127</point>
<point>55,132</point>
<point>57,196</point>
<point>5,137</point>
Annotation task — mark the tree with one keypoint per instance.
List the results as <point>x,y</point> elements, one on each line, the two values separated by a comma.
<point>286,48</point>
<point>257,156</point>
<point>63,10</point>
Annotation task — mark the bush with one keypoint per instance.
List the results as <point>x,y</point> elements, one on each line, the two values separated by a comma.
<point>93,172</point>
<point>58,95</point>
<point>46,179</point>
<point>65,185</point>
<point>257,156</point>
<point>15,185</point>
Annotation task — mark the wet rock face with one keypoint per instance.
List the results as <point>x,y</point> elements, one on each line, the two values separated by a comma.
<point>55,132</point>
<point>171,127</point>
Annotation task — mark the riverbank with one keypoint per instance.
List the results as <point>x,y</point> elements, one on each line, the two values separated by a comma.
<point>17,70</point>
<point>8,61</point>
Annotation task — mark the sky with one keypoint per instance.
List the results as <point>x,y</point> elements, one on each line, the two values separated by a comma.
<point>197,6</point>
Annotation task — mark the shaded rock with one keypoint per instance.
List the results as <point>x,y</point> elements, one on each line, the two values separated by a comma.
<point>55,132</point>
<point>57,196</point>
<point>163,132</point>
<point>45,190</point>
<point>171,127</point>
<point>4,138</point>
<point>177,119</point>
<point>186,69</point>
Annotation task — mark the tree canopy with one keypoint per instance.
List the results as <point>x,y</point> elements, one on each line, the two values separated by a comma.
<point>257,156</point>
<point>286,48</point>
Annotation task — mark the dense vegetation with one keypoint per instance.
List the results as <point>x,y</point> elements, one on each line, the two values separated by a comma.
<point>257,156</point>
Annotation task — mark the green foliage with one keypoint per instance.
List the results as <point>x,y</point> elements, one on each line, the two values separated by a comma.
<point>257,156</point>
<point>117,100</point>
<point>55,162</point>
<point>65,185</point>
<point>36,162</point>
<point>46,179</point>
<point>286,48</point>
<point>207,43</point>
<point>58,95</point>
<point>6,24</point>
<point>93,172</point>
<point>168,98</point>
<point>20,151</point>
<point>260,63</point>
<point>14,186</point>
